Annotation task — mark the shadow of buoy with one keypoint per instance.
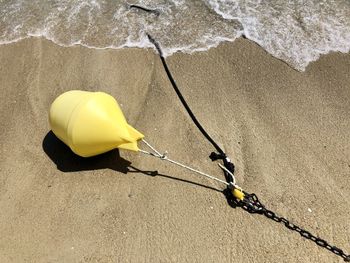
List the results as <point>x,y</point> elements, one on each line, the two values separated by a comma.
<point>68,161</point>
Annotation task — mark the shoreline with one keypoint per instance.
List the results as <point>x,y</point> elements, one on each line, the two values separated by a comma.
<point>150,47</point>
<point>286,132</point>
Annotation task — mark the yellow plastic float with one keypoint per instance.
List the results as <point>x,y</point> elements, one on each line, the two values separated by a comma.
<point>91,123</point>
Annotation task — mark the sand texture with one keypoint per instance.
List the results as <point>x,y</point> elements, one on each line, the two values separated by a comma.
<point>287,132</point>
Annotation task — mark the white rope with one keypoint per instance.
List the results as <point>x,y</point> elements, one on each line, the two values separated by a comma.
<point>229,172</point>
<point>150,146</point>
<point>165,158</point>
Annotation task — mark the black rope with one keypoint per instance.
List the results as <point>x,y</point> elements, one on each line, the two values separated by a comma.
<point>182,99</point>
<point>213,156</point>
<point>154,11</point>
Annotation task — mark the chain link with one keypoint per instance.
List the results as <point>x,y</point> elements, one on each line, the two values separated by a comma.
<point>252,204</point>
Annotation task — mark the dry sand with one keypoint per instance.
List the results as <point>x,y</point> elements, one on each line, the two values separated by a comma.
<point>287,132</point>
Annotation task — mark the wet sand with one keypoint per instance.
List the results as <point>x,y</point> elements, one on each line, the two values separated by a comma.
<point>287,133</point>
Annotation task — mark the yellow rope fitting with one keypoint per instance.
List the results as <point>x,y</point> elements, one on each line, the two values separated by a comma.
<point>238,193</point>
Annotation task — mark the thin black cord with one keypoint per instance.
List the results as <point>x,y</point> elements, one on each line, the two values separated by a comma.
<point>154,11</point>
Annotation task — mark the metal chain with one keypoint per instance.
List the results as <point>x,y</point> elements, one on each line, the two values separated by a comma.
<point>252,204</point>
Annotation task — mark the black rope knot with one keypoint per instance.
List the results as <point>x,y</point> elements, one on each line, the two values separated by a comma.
<point>217,156</point>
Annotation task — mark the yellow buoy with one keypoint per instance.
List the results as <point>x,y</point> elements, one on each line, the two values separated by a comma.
<point>91,123</point>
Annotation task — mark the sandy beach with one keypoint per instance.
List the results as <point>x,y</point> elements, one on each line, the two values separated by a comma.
<point>286,131</point>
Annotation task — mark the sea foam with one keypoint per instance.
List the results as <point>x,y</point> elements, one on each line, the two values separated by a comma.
<point>295,31</point>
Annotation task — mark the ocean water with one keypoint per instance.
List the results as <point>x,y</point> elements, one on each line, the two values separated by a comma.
<point>295,31</point>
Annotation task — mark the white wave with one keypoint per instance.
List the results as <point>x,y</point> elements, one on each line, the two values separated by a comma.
<point>296,32</point>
